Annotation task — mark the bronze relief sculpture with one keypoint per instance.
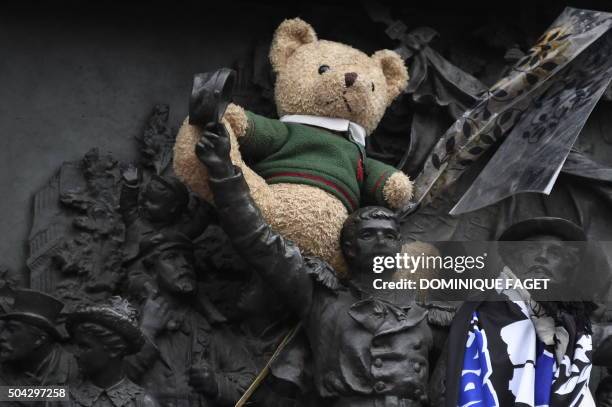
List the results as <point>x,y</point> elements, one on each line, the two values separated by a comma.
<point>30,349</point>
<point>103,335</point>
<point>223,311</point>
<point>366,349</point>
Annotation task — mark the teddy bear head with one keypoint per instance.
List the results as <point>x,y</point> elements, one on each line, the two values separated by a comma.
<point>326,78</point>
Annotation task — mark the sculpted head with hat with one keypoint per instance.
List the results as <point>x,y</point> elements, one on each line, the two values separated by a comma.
<point>29,328</point>
<point>169,259</point>
<point>103,334</point>
<point>543,247</point>
<point>163,199</point>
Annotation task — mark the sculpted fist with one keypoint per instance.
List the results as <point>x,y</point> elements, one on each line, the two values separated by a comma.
<point>130,174</point>
<point>213,150</point>
<point>202,379</point>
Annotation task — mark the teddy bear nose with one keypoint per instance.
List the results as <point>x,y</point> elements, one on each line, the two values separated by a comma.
<point>350,78</point>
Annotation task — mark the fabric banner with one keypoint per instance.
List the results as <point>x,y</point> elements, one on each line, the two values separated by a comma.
<point>507,364</point>
<point>537,111</point>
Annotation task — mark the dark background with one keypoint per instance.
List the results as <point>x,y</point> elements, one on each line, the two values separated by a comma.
<point>75,76</point>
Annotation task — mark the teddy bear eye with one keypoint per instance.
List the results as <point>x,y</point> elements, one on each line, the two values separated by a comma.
<point>323,68</point>
<point>373,87</point>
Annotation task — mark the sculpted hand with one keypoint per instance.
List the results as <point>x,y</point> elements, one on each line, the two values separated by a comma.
<point>213,150</point>
<point>202,379</point>
<point>130,175</point>
<point>155,313</point>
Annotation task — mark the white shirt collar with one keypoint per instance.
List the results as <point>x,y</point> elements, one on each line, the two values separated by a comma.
<point>356,133</point>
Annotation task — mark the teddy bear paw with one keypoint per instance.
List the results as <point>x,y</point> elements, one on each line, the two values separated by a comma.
<point>237,119</point>
<point>397,190</point>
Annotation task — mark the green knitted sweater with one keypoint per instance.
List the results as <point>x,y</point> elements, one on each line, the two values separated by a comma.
<point>301,154</point>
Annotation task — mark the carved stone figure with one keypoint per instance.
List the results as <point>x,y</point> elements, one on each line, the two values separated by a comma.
<point>158,207</point>
<point>30,352</point>
<point>188,365</point>
<point>368,348</point>
<point>103,335</point>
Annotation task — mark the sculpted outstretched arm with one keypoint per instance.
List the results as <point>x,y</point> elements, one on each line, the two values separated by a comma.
<point>278,261</point>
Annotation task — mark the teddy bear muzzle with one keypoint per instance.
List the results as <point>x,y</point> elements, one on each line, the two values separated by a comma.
<point>350,78</point>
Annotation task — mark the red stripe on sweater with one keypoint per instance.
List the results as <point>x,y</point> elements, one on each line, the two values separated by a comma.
<point>360,170</point>
<point>378,181</point>
<point>330,184</point>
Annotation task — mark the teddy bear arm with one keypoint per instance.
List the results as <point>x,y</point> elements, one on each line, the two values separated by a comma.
<point>237,119</point>
<point>397,191</point>
<point>385,185</point>
<point>263,137</point>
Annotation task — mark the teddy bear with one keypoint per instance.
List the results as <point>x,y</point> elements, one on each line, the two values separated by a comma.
<point>308,170</point>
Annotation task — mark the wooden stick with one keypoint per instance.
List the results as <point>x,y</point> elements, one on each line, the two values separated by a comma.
<point>264,372</point>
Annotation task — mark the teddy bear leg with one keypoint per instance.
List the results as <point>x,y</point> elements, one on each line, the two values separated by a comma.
<point>311,218</point>
<point>306,215</point>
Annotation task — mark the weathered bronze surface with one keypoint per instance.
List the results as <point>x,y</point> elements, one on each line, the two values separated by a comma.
<point>201,317</point>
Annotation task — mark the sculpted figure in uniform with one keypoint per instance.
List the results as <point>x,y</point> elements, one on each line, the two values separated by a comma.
<point>30,350</point>
<point>186,362</point>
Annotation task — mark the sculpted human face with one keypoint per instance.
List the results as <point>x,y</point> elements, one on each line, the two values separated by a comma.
<point>175,272</point>
<point>373,237</point>
<point>157,203</point>
<point>90,353</point>
<point>18,340</point>
<point>546,256</point>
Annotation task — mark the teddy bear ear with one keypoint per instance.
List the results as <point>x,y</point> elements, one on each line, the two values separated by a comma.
<point>288,37</point>
<point>395,72</point>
